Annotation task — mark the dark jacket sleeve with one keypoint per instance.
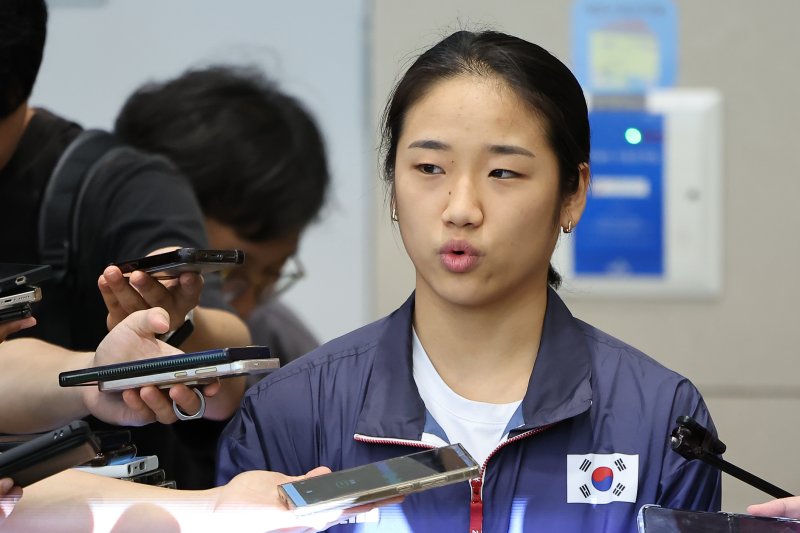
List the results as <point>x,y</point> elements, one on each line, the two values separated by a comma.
<point>692,485</point>
<point>274,429</point>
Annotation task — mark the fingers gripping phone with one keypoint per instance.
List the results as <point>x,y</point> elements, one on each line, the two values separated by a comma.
<point>380,480</point>
<point>172,264</point>
<point>49,453</point>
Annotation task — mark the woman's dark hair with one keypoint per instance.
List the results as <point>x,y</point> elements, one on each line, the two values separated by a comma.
<point>253,154</point>
<point>536,76</point>
<point>23,29</point>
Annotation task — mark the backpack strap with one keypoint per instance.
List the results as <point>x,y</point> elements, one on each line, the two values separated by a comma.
<point>58,216</point>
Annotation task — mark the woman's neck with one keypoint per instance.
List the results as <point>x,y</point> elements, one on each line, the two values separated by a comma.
<point>484,353</point>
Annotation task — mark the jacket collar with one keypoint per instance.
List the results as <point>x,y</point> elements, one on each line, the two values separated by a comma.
<point>559,387</point>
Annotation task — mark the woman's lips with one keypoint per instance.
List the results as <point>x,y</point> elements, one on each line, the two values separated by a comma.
<point>459,256</point>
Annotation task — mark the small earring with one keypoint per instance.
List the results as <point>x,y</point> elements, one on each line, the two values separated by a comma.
<point>568,229</point>
<point>394,214</point>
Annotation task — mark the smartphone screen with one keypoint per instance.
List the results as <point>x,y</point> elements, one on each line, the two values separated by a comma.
<point>380,480</point>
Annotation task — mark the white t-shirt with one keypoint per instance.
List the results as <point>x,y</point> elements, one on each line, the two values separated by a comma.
<point>478,426</point>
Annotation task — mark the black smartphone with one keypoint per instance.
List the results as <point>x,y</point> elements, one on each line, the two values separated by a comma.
<point>154,477</point>
<point>172,264</point>
<point>380,480</point>
<point>49,454</point>
<point>112,439</point>
<point>15,313</point>
<point>112,457</point>
<point>13,275</point>
<point>656,519</point>
<point>159,365</point>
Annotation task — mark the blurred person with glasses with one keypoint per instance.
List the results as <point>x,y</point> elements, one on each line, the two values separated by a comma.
<point>256,161</point>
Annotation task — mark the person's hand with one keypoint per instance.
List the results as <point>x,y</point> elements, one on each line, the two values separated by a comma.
<point>159,401</point>
<point>135,338</point>
<point>123,296</point>
<point>785,507</point>
<point>251,500</point>
<point>14,326</point>
<point>9,494</point>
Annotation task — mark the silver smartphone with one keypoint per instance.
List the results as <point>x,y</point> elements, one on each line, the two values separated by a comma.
<point>194,376</point>
<point>133,467</point>
<point>20,296</point>
<point>380,480</point>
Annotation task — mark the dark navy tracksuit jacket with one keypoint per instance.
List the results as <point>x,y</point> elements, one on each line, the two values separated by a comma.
<point>354,401</point>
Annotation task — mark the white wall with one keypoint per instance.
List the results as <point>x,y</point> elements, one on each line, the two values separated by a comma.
<point>99,51</point>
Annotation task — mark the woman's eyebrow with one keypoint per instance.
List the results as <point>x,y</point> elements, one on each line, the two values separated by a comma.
<point>429,144</point>
<point>509,149</point>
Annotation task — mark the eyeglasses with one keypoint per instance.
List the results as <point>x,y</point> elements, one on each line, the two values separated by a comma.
<point>269,284</point>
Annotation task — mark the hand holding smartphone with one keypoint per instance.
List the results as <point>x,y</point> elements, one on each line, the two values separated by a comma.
<point>172,264</point>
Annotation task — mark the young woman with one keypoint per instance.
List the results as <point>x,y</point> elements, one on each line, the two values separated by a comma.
<point>487,155</point>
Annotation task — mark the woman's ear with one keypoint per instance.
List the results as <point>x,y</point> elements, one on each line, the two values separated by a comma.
<point>574,204</point>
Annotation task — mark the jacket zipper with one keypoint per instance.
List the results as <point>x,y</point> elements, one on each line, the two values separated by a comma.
<point>476,498</point>
<point>401,442</point>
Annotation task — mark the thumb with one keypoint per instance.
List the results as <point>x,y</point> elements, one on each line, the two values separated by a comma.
<point>148,321</point>
<point>318,471</point>
<point>5,485</point>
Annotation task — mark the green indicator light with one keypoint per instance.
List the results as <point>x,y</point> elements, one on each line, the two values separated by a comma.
<point>633,136</point>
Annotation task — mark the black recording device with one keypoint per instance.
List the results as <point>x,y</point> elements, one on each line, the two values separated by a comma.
<point>693,441</point>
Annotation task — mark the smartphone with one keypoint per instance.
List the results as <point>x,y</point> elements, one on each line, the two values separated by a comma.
<point>656,519</point>
<point>194,376</point>
<point>383,479</point>
<point>159,365</point>
<point>48,454</point>
<point>172,264</point>
<point>130,468</point>
<point>156,477</point>
<point>112,457</point>
<point>107,440</point>
<point>13,275</point>
<point>112,439</point>
<point>15,313</point>
<point>25,294</point>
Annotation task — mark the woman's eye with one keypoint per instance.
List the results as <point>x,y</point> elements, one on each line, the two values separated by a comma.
<point>428,168</point>
<point>502,173</point>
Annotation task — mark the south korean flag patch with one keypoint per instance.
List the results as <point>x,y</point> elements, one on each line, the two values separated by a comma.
<point>599,478</point>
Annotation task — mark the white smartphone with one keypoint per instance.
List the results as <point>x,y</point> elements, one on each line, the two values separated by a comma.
<point>134,467</point>
<point>380,480</point>
<point>194,376</point>
<point>20,296</point>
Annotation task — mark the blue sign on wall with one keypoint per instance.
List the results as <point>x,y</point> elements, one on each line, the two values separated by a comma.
<point>622,230</point>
